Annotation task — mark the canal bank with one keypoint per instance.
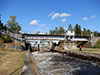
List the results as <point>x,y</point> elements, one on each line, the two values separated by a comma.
<point>81,55</point>
<point>29,67</point>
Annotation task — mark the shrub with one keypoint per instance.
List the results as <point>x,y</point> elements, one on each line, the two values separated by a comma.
<point>97,44</point>
<point>0,34</point>
<point>1,42</point>
<point>6,39</point>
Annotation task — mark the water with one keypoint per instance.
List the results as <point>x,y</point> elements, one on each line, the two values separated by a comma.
<point>50,63</point>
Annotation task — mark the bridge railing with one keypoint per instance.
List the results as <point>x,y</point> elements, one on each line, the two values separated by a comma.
<point>13,35</point>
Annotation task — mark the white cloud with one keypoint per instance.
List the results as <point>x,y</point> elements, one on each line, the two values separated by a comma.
<point>55,15</point>
<point>34,22</point>
<point>92,17</point>
<point>63,20</point>
<point>85,18</point>
<point>50,14</point>
<point>65,15</point>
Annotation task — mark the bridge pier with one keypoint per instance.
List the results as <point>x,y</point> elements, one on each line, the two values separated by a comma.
<point>26,45</point>
<point>52,46</point>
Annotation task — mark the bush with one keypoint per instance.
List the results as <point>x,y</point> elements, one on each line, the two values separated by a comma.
<point>1,42</point>
<point>6,39</point>
<point>0,34</point>
<point>97,44</point>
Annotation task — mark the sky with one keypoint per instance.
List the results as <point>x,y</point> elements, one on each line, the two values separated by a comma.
<point>44,15</point>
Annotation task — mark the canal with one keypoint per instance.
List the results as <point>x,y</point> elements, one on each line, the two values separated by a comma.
<point>52,63</point>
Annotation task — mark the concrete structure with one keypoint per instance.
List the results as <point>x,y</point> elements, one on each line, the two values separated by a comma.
<point>69,39</point>
<point>34,39</point>
<point>94,41</point>
<point>54,37</point>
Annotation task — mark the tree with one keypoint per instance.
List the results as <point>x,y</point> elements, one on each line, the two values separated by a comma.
<point>95,33</point>
<point>13,26</point>
<point>77,30</point>
<point>61,30</point>
<point>99,34</point>
<point>70,27</point>
<point>51,32</point>
<point>56,30</point>
<point>6,39</point>
<point>88,32</point>
<point>97,45</point>
<point>84,31</point>
<point>1,26</point>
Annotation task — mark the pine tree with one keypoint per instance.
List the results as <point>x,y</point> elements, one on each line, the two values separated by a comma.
<point>70,27</point>
<point>77,30</point>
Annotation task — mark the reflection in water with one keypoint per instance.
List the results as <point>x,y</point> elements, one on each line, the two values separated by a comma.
<point>50,63</point>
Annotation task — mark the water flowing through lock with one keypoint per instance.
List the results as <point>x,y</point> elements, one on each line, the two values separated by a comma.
<point>50,63</point>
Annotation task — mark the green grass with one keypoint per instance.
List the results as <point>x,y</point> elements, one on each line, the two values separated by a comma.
<point>88,50</point>
<point>2,53</point>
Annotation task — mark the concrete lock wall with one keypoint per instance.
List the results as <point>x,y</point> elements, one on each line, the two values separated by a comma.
<point>95,39</point>
<point>70,45</point>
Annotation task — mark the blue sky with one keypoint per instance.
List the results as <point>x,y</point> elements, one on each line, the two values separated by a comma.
<point>43,15</point>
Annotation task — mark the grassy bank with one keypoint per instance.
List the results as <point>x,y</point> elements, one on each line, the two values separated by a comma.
<point>11,62</point>
<point>89,50</point>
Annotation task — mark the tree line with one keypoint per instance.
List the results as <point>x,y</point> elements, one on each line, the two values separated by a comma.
<point>77,28</point>
<point>11,26</point>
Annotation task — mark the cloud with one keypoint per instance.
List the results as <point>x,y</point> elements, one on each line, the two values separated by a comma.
<point>63,20</point>
<point>50,14</point>
<point>85,18</point>
<point>65,15</point>
<point>92,17</point>
<point>55,15</point>
<point>36,22</point>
